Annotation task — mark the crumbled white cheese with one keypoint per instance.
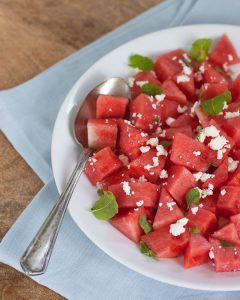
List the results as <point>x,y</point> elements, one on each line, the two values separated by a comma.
<point>202,69</point>
<point>154,106</point>
<point>203,176</point>
<point>163,174</point>
<point>178,228</point>
<point>160,204</point>
<point>160,98</point>
<point>144,149</point>
<point>170,205</point>
<point>210,131</point>
<point>131,81</point>
<point>174,58</point>
<point>211,253</point>
<point>183,78</point>
<point>200,205</point>
<point>161,150</point>
<point>207,192</point>
<point>169,121</point>
<point>141,83</point>
<point>155,161</point>
<point>223,192</point>
<point>163,133</point>
<point>231,115</point>
<point>232,164</point>
<point>218,142</point>
<point>181,109</point>
<point>139,203</point>
<point>230,57</point>
<point>194,210</point>
<point>124,159</point>
<point>153,142</point>
<point>142,179</point>
<point>194,107</point>
<point>143,134</point>
<point>139,116</point>
<point>197,153</point>
<point>126,188</point>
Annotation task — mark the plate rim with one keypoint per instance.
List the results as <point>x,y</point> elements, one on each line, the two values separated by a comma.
<point>115,256</point>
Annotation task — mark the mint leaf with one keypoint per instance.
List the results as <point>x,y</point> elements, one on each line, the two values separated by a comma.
<point>194,230</point>
<point>214,106</point>
<point>106,206</point>
<point>192,196</point>
<point>143,63</point>
<point>166,143</point>
<point>144,249</point>
<point>200,48</point>
<point>226,244</point>
<point>151,89</point>
<point>144,224</point>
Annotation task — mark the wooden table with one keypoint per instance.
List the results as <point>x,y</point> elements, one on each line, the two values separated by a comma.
<point>34,34</point>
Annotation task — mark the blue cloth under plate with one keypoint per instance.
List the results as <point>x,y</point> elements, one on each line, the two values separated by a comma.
<point>78,269</point>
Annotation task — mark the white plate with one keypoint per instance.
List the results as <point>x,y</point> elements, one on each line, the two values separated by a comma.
<point>64,154</point>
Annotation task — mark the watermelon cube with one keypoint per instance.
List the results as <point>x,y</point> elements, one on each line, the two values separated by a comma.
<point>189,153</point>
<point>235,219</point>
<point>135,194</point>
<point>224,53</point>
<point>197,251</point>
<point>226,259</point>
<point>148,164</point>
<point>179,181</point>
<point>126,221</point>
<point>111,106</point>
<point>220,176</point>
<point>164,244</point>
<point>228,201</point>
<point>185,120</point>
<point>202,117</point>
<point>167,65</point>
<point>168,108</point>
<point>228,234</point>
<point>168,211</point>
<point>210,90</point>
<point>235,89</point>
<point>130,139</point>
<point>210,203</point>
<point>102,133</point>
<point>186,86</point>
<point>171,132</point>
<point>172,92</point>
<point>115,178</point>
<point>139,78</point>
<point>203,219</point>
<point>101,165</point>
<point>234,178</point>
<point>210,75</point>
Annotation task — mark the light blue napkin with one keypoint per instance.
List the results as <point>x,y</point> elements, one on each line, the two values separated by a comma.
<point>78,269</point>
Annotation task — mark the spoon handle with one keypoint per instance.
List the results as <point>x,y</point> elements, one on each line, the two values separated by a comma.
<point>35,259</point>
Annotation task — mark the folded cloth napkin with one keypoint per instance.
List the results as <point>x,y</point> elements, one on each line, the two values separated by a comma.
<point>78,269</point>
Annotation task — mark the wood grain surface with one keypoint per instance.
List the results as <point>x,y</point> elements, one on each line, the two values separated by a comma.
<point>34,34</point>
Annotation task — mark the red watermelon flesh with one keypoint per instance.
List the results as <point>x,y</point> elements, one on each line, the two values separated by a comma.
<point>164,244</point>
<point>171,132</point>
<point>228,201</point>
<point>235,219</point>
<point>127,222</point>
<point>226,259</point>
<point>172,92</point>
<point>210,75</point>
<point>145,165</point>
<point>148,76</point>
<point>101,165</point>
<point>140,194</point>
<point>186,85</point>
<point>210,203</point>
<point>220,176</point>
<point>168,211</point>
<point>179,181</point>
<point>130,139</point>
<point>236,154</point>
<point>203,219</point>
<point>102,133</point>
<point>111,106</point>
<point>168,109</point>
<point>235,89</point>
<point>185,120</point>
<point>228,233</point>
<point>234,178</point>
<point>210,90</point>
<point>224,53</point>
<point>189,158</point>
<point>144,110</point>
<point>167,65</point>
<point>202,117</point>
<point>197,251</point>
<point>115,178</point>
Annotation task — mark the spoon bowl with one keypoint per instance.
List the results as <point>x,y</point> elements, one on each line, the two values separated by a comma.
<point>35,259</point>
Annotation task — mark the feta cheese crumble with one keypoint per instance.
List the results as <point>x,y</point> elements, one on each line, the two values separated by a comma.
<point>141,83</point>
<point>232,164</point>
<point>203,177</point>
<point>223,192</point>
<point>169,121</point>
<point>211,254</point>
<point>181,109</point>
<point>160,98</point>
<point>194,210</point>
<point>153,142</point>
<point>124,159</point>
<point>144,149</point>
<point>183,78</point>
<point>178,228</point>
<point>170,205</point>
<point>231,115</point>
<point>131,81</point>
<point>161,150</point>
<point>163,174</point>
<point>139,203</point>
<point>197,153</point>
<point>126,188</point>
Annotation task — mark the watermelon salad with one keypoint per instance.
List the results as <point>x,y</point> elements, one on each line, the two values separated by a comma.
<point>166,165</point>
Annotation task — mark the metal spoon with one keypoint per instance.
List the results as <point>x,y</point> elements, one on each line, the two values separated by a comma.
<point>35,259</point>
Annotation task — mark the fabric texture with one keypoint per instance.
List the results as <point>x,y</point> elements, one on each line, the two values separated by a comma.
<point>78,269</point>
